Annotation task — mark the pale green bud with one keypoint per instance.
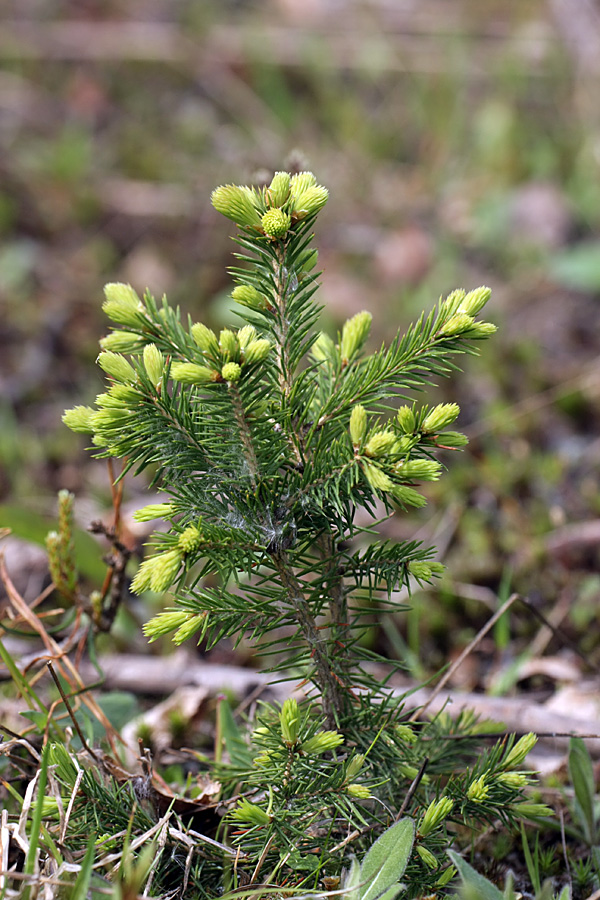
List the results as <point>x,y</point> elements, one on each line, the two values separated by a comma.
<point>406,419</point>
<point>154,363</point>
<point>454,301</point>
<point>408,771</point>
<point>257,351</point>
<point>440,416</point>
<point>480,331</point>
<point>435,814</point>
<point>520,750</point>
<point>478,790</point>
<point>419,470</point>
<point>191,373</point>
<point>359,791</point>
<point>354,766</point>
<point>247,295</point>
<point>453,440</point>
<point>427,856</point>
<point>229,344</point>
<point>245,335</point>
<point>358,424</point>
<point>231,372</point>
<point>205,338</point>
<point>120,395</point>
<point>275,223</point>
<point>475,301</point>
<point>407,496</point>
<point>446,876</point>
<point>279,189</point>
<point>425,571</point>
<point>513,780</point>
<point>419,570</point>
<point>110,418</point>
<point>301,182</point>
<point>164,623</point>
<point>122,304</point>
<point>122,342</point>
<point>405,733</point>
<point>289,719</point>
<point>354,334</point>
<point>190,539</point>
<point>532,810</point>
<point>406,443</point>
<point>79,419</point>
<point>237,203</point>
<point>190,628</point>
<point>322,742</point>
<point>153,511</point>
<point>309,201</point>
<point>157,573</point>
<point>380,444</point>
<point>249,814</point>
<point>456,324</point>
<point>323,348</point>
<point>117,367</point>
<point>378,480</point>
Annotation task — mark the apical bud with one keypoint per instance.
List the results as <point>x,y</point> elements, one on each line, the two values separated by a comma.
<point>354,766</point>
<point>79,419</point>
<point>435,814</point>
<point>275,223</point>
<point>279,189</point>
<point>301,182</point>
<point>427,856</point>
<point>164,623</point>
<point>478,790</point>
<point>289,720</point>
<point>521,749</point>
<point>322,742</point>
<point>359,791</point>
<point>358,424</point>
<point>237,203</point>
<point>354,334</point>
<point>231,372</point>
<point>380,443</point>
<point>257,351</point>
<point>190,373</point>
<point>117,367</point>
<point>245,335</point>
<point>153,511</point>
<point>157,573</point>
<point>406,419</point>
<point>440,416</point>
<point>247,295</point>
<point>419,470</point>
<point>247,813</point>
<point>229,344</point>
<point>122,304</point>
<point>480,331</point>
<point>475,300</point>
<point>193,625</point>
<point>154,363</point>
<point>190,539</point>
<point>323,348</point>
<point>407,496</point>
<point>456,324</point>
<point>205,338</point>
<point>378,480</point>
<point>453,440</point>
<point>122,342</point>
<point>309,201</point>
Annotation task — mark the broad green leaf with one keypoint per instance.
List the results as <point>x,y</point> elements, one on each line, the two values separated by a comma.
<point>80,888</point>
<point>236,747</point>
<point>582,776</point>
<point>478,885</point>
<point>384,864</point>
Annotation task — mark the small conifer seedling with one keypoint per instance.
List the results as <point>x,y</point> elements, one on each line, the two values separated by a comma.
<point>267,441</point>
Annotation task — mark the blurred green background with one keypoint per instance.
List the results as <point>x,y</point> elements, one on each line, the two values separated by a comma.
<point>460,142</point>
